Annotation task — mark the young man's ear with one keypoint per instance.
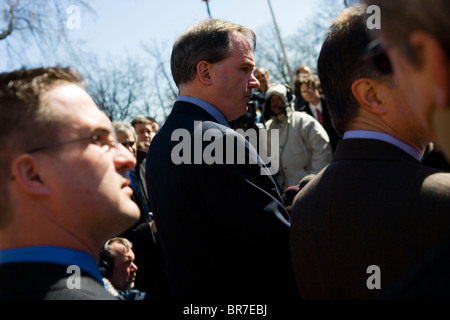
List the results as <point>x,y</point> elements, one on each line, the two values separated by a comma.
<point>434,66</point>
<point>25,171</point>
<point>365,92</point>
<point>204,69</point>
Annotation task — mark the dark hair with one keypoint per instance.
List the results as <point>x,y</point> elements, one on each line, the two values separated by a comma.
<point>342,61</point>
<point>208,41</point>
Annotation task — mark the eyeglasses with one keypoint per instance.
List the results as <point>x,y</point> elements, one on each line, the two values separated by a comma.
<point>106,140</point>
<point>128,144</point>
<point>377,53</point>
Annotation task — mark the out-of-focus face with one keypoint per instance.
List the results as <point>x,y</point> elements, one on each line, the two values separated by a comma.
<point>144,132</point>
<point>155,127</point>
<point>263,79</point>
<point>310,95</point>
<point>233,79</point>
<point>405,123</point>
<point>124,268</point>
<point>89,192</point>
<point>416,91</point>
<point>423,88</point>
<point>276,104</point>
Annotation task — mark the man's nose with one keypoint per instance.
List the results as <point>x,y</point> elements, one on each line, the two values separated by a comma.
<point>124,159</point>
<point>253,82</point>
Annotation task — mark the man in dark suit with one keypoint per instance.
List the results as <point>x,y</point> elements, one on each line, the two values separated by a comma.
<point>375,211</point>
<point>63,191</point>
<point>315,105</point>
<point>223,228</point>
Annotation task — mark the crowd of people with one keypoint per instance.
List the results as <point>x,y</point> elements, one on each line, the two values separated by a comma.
<point>94,209</point>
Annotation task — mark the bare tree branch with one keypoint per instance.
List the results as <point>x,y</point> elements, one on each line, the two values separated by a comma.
<point>9,29</point>
<point>38,23</point>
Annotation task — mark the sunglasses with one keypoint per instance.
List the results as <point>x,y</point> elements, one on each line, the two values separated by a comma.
<point>377,54</point>
<point>128,144</point>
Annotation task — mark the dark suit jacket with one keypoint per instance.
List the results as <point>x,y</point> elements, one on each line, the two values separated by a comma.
<point>327,123</point>
<point>373,205</point>
<point>429,279</point>
<point>223,229</point>
<point>46,281</point>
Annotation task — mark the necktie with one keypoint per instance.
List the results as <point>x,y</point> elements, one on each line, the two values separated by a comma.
<point>319,116</point>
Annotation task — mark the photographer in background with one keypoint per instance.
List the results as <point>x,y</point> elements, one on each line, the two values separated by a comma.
<point>304,144</point>
<point>119,270</point>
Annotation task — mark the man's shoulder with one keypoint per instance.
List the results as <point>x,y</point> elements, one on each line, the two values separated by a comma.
<point>48,281</point>
<point>87,289</point>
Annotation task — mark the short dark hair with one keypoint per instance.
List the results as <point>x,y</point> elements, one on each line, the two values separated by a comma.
<point>207,41</point>
<point>141,120</point>
<point>25,122</point>
<point>341,61</point>
<point>311,81</point>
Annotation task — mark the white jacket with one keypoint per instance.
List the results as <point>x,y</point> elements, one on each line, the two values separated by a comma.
<point>304,144</point>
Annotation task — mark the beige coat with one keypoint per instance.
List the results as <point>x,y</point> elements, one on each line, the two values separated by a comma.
<point>304,145</point>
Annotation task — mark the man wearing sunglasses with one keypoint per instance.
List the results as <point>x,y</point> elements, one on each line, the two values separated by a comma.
<point>415,39</point>
<point>375,210</point>
<point>63,190</point>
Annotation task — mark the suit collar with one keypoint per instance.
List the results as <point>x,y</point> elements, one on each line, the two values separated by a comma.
<point>369,149</point>
<point>209,108</point>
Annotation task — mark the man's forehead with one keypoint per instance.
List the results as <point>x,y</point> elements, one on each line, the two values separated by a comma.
<point>73,103</point>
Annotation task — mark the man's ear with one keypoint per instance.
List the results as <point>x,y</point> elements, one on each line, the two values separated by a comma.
<point>434,65</point>
<point>365,92</point>
<point>25,171</point>
<point>204,69</point>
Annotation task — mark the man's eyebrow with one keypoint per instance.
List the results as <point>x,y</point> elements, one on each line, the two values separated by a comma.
<point>101,130</point>
<point>128,259</point>
<point>249,64</point>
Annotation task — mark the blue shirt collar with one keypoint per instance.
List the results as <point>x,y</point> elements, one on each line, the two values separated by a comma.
<point>363,134</point>
<point>54,255</point>
<point>213,111</point>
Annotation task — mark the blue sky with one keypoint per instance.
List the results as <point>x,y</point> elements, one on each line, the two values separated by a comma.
<point>120,27</point>
<point>124,24</point>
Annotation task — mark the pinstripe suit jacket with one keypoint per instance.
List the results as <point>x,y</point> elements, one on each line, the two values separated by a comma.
<point>223,228</point>
<point>374,205</point>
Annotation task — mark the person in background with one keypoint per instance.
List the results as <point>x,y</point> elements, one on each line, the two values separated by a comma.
<point>143,234</point>
<point>155,124</point>
<point>144,128</point>
<point>262,75</point>
<point>316,105</point>
<point>119,269</point>
<point>64,191</point>
<point>299,102</point>
<point>304,144</point>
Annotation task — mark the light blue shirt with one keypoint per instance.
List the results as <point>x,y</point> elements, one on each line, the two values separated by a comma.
<point>54,255</point>
<point>363,134</point>
<point>213,111</point>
